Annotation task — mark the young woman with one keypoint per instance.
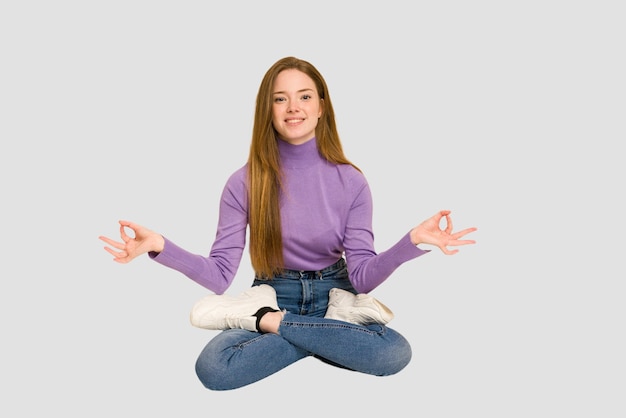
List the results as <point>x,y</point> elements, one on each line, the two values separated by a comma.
<point>309,214</point>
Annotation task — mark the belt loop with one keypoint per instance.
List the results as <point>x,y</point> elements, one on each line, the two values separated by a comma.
<point>301,273</point>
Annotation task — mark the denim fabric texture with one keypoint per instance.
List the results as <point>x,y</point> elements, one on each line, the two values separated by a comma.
<point>236,358</point>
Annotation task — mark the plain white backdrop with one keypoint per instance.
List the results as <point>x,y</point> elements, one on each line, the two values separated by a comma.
<point>511,114</point>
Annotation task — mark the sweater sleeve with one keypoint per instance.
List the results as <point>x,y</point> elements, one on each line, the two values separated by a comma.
<point>217,270</point>
<point>366,268</point>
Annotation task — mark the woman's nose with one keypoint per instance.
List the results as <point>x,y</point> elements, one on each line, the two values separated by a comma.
<point>293,106</point>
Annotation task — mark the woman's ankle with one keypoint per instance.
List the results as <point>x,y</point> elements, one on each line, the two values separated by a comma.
<point>270,322</point>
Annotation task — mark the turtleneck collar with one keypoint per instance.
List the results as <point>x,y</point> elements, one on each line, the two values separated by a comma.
<point>295,156</point>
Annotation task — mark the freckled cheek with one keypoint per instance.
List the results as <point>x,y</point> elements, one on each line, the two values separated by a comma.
<point>275,120</point>
<point>278,111</point>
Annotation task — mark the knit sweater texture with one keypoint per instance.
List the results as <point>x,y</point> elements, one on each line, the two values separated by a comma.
<point>326,214</point>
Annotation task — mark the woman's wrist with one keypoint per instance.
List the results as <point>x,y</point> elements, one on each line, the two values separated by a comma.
<point>159,243</point>
<point>414,237</point>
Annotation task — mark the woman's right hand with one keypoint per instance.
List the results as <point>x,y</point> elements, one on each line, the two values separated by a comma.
<point>143,241</point>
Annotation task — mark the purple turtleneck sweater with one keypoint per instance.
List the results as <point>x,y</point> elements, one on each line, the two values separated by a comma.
<point>326,213</point>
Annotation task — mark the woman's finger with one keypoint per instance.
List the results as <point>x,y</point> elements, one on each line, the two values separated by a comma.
<point>112,243</point>
<point>116,254</point>
<point>123,233</point>
<point>462,233</point>
<point>449,226</point>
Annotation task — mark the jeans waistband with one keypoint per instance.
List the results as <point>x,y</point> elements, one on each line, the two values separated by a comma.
<point>312,274</point>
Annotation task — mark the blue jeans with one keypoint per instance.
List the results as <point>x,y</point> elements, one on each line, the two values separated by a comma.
<point>235,357</point>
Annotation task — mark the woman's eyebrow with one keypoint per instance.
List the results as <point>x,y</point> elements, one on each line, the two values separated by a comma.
<point>299,91</point>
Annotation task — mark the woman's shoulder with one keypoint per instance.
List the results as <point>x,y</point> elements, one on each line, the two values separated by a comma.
<point>351,177</point>
<point>237,178</point>
<point>350,171</point>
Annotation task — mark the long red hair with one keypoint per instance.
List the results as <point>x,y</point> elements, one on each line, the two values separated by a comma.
<point>264,172</point>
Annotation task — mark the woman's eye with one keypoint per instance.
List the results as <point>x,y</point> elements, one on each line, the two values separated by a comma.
<point>279,99</point>
<point>306,97</point>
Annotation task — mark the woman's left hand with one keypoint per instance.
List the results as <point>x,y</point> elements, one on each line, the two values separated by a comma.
<point>430,232</point>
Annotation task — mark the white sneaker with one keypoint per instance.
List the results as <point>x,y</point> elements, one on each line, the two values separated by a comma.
<point>361,309</point>
<point>220,312</point>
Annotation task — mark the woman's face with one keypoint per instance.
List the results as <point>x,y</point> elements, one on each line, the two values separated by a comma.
<point>296,106</point>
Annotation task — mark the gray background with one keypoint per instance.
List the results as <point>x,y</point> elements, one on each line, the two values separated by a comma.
<point>511,114</point>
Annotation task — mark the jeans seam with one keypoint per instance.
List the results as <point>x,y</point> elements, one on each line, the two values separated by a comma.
<point>353,327</point>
